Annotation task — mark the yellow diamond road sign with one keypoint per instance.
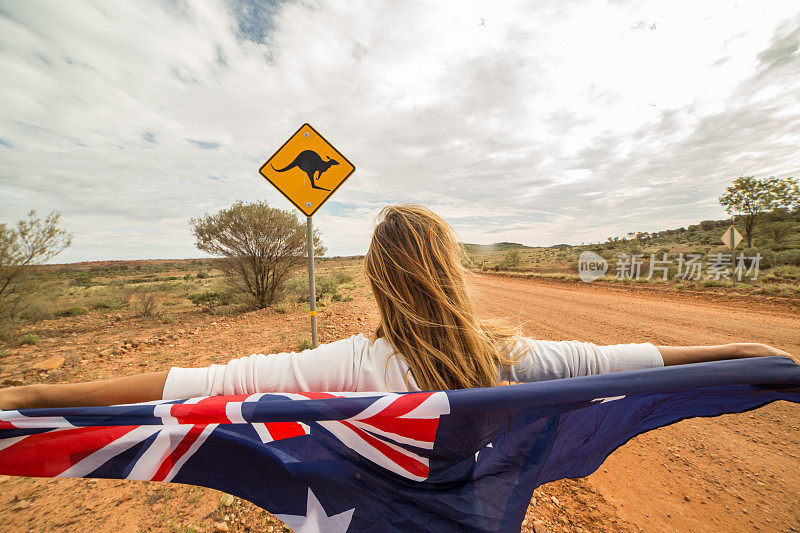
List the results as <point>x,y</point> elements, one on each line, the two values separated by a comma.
<point>307,169</point>
<point>731,238</point>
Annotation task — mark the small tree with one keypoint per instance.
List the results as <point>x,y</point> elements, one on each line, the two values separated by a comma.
<point>750,197</point>
<point>32,242</point>
<point>511,259</point>
<point>259,245</point>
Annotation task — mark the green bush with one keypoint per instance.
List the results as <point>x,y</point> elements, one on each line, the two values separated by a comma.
<point>210,299</point>
<point>787,257</point>
<point>779,232</point>
<point>39,305</point>
<point>778,289</point>
<point>768,257</point>
<point>511,260</point>
<point>109,298</point>
<point>150,277</point>
<point>83,280</point>
<point>327,287</point>
<point>342,278</point>
<point>304,344</point>
<point>783,272</point>
<point>715,283</point>
<point>72,311</point>
<point>296,289</point>
<point>29,338</point>
<point>204,299</point>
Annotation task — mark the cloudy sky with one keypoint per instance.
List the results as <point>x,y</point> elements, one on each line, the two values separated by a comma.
<point>540,123</point>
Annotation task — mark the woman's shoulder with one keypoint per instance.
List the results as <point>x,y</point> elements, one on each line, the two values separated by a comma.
<point>362,349</point>
<point>363,346</point>
<point>379,366</point>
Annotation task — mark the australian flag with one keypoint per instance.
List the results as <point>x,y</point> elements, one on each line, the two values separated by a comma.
<point>464,460</point>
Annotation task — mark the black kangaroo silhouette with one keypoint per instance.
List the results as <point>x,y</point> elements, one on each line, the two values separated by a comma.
<point>310,162</point>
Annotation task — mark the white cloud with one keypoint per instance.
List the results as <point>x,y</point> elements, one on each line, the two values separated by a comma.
<point>563,122</point>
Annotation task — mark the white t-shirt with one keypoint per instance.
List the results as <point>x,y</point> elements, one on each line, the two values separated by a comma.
<point>358,364</point>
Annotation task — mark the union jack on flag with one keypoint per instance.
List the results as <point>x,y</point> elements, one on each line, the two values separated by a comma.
<point>444,461</point>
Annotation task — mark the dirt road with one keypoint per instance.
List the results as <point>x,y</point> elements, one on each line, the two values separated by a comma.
<point>730,473</point>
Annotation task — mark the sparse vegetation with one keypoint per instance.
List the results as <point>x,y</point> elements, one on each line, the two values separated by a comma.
<point>75,310</point>
<point>29,338</point>
<point>511,260</point>
<point>779,231</point>
<point>145,300</point>
<point>342,277</point>
<point>779,252</point>
<point>105,298</point>
<point>296,288</point>
<point>131,289</point>
<point>304,344</point>
<point>208,301</point>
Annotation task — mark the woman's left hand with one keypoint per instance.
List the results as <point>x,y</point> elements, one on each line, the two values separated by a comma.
<point>765,350</point>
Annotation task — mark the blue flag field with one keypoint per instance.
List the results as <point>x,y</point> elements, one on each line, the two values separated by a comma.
<point>464,460</point>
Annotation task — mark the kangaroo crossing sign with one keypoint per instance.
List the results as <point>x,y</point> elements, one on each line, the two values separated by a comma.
<point>307,169</point>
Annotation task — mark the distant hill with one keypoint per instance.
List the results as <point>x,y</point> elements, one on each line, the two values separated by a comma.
<point>776,242</point>
<point>707,232</point>
<point>496,247</point>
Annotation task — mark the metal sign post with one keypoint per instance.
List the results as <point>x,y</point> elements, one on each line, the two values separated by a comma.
<point>307,170</point>
<point>312,285</point>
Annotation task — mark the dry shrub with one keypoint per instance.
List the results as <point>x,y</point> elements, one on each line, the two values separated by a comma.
<point>259,247</point>
<point>108,298</point>
<point>145,300</point>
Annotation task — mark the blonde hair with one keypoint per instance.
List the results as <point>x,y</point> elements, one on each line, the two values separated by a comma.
<point>427,314</point>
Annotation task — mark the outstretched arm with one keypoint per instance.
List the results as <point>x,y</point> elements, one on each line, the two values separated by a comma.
<point>680,355</point>
<point>130,389</point>
<point>329,367</point>
<point>562,359</point>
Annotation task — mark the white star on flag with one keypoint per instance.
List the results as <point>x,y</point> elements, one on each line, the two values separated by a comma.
<point>609,399</point>
<point>316,519</point>
<point>479,451</point>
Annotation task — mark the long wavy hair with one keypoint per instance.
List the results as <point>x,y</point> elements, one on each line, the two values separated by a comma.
<point>427,314</point>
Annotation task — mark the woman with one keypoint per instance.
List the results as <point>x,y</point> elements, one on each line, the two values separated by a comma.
<point>429,338</point>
